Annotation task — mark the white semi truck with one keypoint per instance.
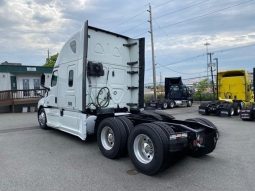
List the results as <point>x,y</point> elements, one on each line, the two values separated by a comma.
<point>97,88</point>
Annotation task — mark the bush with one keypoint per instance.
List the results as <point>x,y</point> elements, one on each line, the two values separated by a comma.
<point>203,97</point>
<point>148,98</point>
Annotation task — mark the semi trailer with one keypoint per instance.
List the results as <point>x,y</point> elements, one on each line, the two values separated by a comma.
<point>176,94</point>
<point>97,88</point>
<point>234,91</point>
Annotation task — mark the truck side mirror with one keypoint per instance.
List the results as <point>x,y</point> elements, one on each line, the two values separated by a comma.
<point>42,80</point>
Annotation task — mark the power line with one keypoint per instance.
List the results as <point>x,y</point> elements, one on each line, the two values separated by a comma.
<point>132,17</point>
<point>179,10</point>
<point>234,48</point>
<point>180,61</point>
<point>193,78</point>
<point>139,35</point>
<point>140,13</point>
<point>132,28</point>
<point>166,67</point>
<point>207,14</point>
<point>190,19</point>
<point>138,25</point>
<point>200,55</point>
<point>182,72</point>
<point>161,4</point>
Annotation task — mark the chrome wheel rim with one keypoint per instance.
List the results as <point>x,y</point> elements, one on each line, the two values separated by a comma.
<point>238,110</point>
<point>164,105</point>
<point>107,138</point>
<point>143,149</point>
<point>42,118</point>
<point>171,104</point>
<point>232,111</point>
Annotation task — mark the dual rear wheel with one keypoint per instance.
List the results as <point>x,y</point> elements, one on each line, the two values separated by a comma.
<point>147,143</point>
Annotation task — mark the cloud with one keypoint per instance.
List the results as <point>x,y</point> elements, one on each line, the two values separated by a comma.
<point>30,27</point>
<point>2,2</point>
<point>29,24</point>
<point>41,18</point>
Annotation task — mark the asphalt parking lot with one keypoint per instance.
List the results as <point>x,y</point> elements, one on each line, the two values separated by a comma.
<point>35,159</point>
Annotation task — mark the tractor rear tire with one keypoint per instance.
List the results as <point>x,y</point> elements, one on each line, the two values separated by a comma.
<point>237,107</point>
<point>129,126</point>
<point>171,104</point>
<point>112,137</point>
<point>164,105</point>
<point>231,111</point>
<point>148,148</point>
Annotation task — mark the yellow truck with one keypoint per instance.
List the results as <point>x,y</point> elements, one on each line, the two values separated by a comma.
<point>234,91</point>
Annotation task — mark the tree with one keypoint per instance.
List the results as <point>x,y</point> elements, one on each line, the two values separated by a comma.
<point>202,86</point>
<point>51,62</point>
<point>203,90</point>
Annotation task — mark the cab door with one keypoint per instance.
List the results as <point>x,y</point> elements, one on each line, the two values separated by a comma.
<point>69,117</point>
<point>52,110</point>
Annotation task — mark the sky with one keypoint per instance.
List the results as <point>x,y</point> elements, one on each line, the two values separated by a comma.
<point>28,28</point>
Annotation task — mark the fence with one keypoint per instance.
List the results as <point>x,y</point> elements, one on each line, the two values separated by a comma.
<point>20,97</point>
<point>21,94</point>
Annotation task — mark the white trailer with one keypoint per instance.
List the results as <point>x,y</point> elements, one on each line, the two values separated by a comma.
<point>97,88</point>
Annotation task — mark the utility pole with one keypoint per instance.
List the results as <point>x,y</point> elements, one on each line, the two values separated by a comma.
<point>48,56</point>
<point>217,82</point>
<point>160,84</point>
<point>152,53</point>
<point>206,45</point>
<point>211,66</point>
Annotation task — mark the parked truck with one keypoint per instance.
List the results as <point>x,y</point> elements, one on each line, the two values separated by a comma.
<point>234,90</point>
<point>248,112</point>
<point>97,88</point>
<point>176,94</point>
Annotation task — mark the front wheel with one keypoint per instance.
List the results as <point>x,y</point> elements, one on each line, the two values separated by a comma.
<point>164,105</point>
<point>189,103</point>
<point>42,119</point>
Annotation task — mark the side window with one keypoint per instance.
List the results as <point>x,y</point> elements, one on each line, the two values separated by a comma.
<point>73,46</point>
<point>176,88</point>
<point>54,78</point>
<point>70,78</point>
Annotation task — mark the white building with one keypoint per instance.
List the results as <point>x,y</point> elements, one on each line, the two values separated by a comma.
<point>14,76</point>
